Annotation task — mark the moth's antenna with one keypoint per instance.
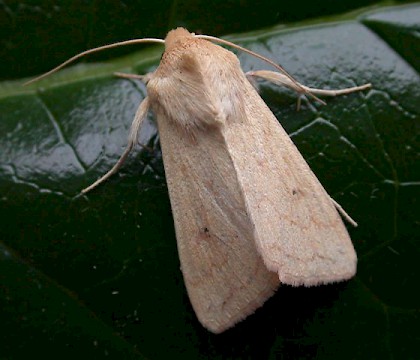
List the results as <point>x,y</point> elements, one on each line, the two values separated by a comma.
<point>263,58</point>
<point>100,48</point>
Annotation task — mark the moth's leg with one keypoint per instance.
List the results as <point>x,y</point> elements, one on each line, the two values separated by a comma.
<point>132,140</point>
<point>282,80</point>
<point>143,78</point>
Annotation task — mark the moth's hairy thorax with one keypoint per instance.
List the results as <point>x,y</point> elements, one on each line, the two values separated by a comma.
<point>198,86</point>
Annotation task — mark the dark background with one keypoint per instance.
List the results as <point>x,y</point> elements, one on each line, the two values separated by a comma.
<point>98,275</point>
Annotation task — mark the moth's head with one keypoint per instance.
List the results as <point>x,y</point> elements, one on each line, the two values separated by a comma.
<point>188,52</point>
<point>176,35</point>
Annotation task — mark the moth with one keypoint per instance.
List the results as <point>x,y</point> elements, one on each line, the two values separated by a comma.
<point>249,213</point>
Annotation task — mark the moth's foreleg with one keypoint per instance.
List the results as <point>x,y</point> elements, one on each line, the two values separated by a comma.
<point>143,78</point>
<point>282,80</point>
<point>132,140</point>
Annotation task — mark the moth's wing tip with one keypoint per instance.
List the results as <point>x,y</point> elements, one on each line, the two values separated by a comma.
<point>216,329</point>
<point>327,277</point>
<point>218,324</point>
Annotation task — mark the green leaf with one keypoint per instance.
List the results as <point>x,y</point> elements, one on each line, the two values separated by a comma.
<point>99,275</point>
<point>36,35</point>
